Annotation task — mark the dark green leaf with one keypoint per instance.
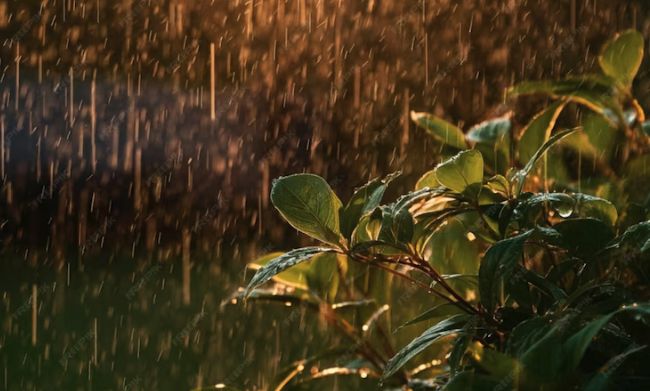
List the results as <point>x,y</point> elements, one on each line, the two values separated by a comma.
<point>447,327</point>
<point>440,129</point>
<point>601,380</point>
<point>439,311</point>
<point>396,225</point>
<point>309,205</point>
<point>544,285</point>
<point>526,335</point>
<point>497,266</point>
<point>575,347</point>
<point>364,200</point>
<point>583,237</point>
<point>601,209</point>
<point>458,349</point>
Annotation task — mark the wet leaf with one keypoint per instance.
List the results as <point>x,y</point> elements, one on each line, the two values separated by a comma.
<point>463,173</point>
<point>282,263</point>
<point>428,180</point>
<point>621,57</point>
<point>538,131</point>
<point>440,129</point>
<point>364,200</point>
<point>309,205</point>
<point>497,266</point>
<point>521,175</point>
<point>447,327</point>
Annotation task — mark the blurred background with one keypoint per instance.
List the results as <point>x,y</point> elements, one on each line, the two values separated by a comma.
<point>139,140</point>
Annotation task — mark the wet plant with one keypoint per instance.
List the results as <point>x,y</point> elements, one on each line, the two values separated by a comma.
<point>553,290</point>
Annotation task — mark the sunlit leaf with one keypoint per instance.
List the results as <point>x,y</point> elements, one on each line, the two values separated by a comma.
<point>295,276</point>
<point>538,131</point>
<point>496,363</point>
<point>428,180</point>
<point>493,131</point>
<point>282,263</point>
<point>499,184</point>
<point>521,175</point>
<point>463,173</point>
<point>621,57</point>
<point>440,129</point>
<point>309,205</point>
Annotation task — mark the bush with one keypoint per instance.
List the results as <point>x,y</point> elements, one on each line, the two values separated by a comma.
<point>540,289</point>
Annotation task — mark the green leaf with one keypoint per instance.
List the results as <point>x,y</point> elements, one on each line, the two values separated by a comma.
<point>601,380</point>
<point>496,363</point>
<point>538,131</point>
<point>446,327</point>
<point>462,173</point>
<point>575,347</point>
<point>428,180</point>
<point>440,129</point>
<point>493,131</point>
<point>439,311</point>
<point>544,285</point>
<point>309,205</point>
<point>499,184</point>
<point>621,57</point>
<point>596,207</point>
<point>450,251</point>
<point>364,200</point>
<point>526,334</point>
<point>597,92</point>
<point>583,237</point>
<point>521,175</point>
<point>323,274</point>
<point>295,276</point>
<point>458,349</point>
<point>492,139</point>
<point>528,212</point>
<point>543,359</point>
<point>497,266</point>
<point>598,84</point>
<point>396,225</point>
<point>281,264</point>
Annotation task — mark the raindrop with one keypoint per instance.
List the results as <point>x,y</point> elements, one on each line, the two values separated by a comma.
<point>565,210</point>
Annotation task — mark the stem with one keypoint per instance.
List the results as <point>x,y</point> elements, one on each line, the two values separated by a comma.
<point>460,304</point>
